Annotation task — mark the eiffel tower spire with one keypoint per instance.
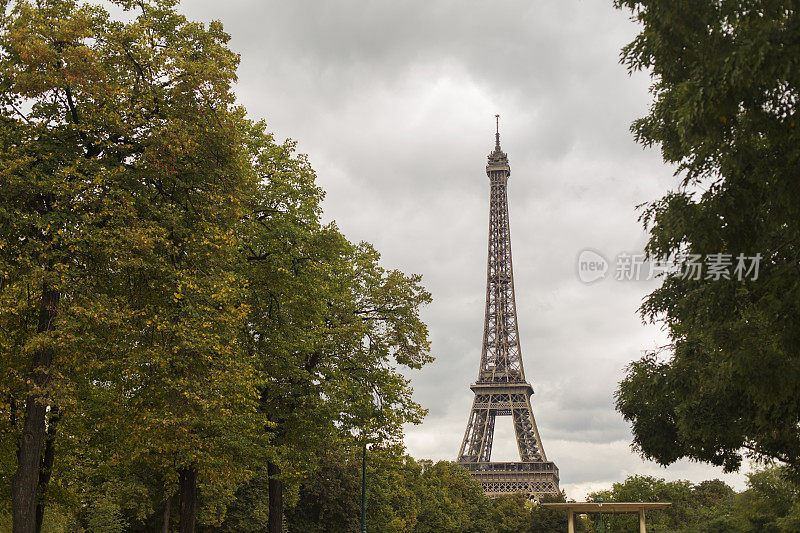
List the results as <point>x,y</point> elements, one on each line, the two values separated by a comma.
<point>501,388</point>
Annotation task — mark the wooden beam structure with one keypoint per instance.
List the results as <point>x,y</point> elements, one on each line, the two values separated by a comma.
<point>574,508</point>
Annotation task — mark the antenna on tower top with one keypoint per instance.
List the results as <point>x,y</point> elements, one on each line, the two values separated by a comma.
<point>497,134</point>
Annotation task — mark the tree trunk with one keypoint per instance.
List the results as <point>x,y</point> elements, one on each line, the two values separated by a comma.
<point>275,523</point>
<point>188,487</point>
<point>165,515</point>
<point>46,469</point>
<point>26,478</point>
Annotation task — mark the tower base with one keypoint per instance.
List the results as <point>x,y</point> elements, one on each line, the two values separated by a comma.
<point>535,479</point>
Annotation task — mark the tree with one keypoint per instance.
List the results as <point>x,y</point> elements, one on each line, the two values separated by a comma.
<point>329,496</point>
<point>644,489</point>
<point>452,501</point>
<point>327,325</point>
<point>122,189</point>
<point>770,503</point>
<point>544,520</point>
<point>174,313</point>
<point>404,495</point>
<point>726,83</point>
<point>710,499</point>
<point>693,507</point>
<point>511,513</point>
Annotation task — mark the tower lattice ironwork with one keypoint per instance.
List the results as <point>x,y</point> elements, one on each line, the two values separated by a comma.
<point>501,388</point>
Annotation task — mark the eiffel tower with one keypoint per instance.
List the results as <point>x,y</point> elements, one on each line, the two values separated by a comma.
<point>501,388</point>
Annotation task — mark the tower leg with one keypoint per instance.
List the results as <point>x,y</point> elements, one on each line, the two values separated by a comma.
<point>528,443</point>
<point>477,443</point>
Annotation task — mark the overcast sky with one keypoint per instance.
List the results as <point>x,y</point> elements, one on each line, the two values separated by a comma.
<point>394,104</point>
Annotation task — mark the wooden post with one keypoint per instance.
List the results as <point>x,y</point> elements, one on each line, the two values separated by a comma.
<point>571,521</point>
<point>641,521</point>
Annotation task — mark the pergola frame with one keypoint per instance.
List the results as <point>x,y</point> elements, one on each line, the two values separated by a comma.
<point>608,508</point>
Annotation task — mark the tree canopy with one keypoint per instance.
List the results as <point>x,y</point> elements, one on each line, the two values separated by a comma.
<point>409,495</point>
<point>178,325</point>
<point>725,85</point>
<point>769,503</point>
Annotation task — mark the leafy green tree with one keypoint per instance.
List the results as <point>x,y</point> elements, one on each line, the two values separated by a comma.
<point>330,496</point>
<point>393,498</point>
<point>709,500</point>
<point>705,507</point>
<point>452,501</point>
<point>174,314</point>
<point>511,513</point>
<point>327,324</point>
<point>726,87</point>
<point>679,516</point>
<point>123,187</point>
<point>723,524</point>
<point>403,495</point>
<point>770,503</point>
<point>544,520</point>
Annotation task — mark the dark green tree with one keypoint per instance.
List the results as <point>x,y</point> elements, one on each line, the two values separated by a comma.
<point>452,501</point>
<point>544,520</point>
<point>511,513</point>
<point>122,185</point>
<point>726,83</point>
<point>173,313</point>
<point>177,324</point>
<point>327,324</point>
<point>707,506</point>
<point>710,499</point>
<point>647,489</point>
<point>404,495</point>
<point>330,496</point>
<point>770,503</point>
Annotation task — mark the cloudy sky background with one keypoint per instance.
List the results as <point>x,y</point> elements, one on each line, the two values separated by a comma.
<point>394,103</point>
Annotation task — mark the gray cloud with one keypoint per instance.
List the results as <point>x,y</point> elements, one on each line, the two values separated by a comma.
<point>394,103</point>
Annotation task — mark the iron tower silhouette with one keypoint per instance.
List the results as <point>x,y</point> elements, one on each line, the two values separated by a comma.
<point>501,388</point>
